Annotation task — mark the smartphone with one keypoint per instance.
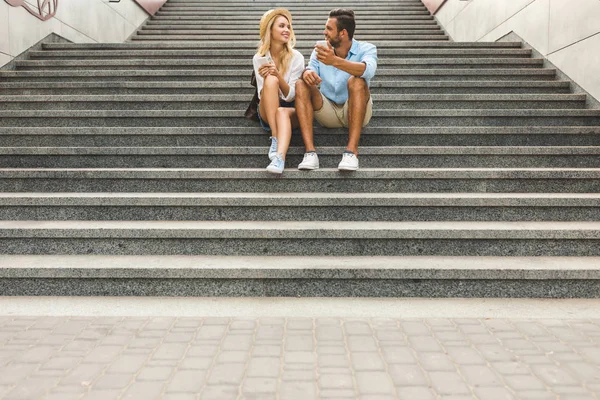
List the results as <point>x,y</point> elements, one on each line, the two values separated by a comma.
<point>264,60</point>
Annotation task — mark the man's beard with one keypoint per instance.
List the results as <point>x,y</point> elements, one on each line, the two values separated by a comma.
<point>335,42</point>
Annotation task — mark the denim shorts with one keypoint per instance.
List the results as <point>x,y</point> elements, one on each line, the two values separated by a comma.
<point>282,103</point>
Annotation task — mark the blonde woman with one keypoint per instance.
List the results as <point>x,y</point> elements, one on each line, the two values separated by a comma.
<point>277,67</point>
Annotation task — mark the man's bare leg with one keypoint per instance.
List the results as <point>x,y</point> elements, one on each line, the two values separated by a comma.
<point>308,99</point>
<point>358,97</point>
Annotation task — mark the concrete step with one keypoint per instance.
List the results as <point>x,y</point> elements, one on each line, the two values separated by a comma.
<point>240,87</point>
<point>298,19</point>
<point>301,206</point>
<point>381,44</point>
<point>246,54</point>
<point>256,136</point>
<point>255,157</point>
<point>301,238</point>
<point>247,180</point>
<point>246,64</point>
<point>151,38</point>
<point>318,25</point>
<point>312,276</point>
<point>382,118</point>
<point>240,101</point>
<point>305,33</point>
<point>301,14</point>
<point>220,75</point>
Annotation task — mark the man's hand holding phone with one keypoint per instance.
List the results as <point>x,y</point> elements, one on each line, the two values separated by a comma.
<point>325,52</point>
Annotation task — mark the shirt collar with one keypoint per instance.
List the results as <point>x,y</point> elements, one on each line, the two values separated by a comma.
<point>354,47</point>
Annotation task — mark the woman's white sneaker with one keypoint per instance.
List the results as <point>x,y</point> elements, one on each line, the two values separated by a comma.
<point>273,148</point>
<point>310,161</point>
<point>349,162</point>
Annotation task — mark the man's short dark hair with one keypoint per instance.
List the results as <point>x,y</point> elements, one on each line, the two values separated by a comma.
<point>345,20</point>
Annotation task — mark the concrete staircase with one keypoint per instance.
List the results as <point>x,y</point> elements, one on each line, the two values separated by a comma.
<point>128,169</point>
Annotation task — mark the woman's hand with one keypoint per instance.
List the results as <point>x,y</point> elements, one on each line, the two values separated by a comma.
<point>268,69</point>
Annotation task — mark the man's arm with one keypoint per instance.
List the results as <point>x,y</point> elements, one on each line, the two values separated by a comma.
<point>365,68</point>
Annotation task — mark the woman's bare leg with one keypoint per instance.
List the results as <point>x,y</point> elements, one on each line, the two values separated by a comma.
<point>269,103</point>
<point>286,120</point>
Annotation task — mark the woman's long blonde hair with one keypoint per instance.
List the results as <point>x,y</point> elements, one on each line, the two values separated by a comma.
<point>265,42</point>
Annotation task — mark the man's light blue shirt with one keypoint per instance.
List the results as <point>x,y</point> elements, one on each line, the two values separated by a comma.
<point>334,83</point>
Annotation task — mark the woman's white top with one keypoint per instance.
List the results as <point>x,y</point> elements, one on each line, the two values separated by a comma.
<point>291,76</point>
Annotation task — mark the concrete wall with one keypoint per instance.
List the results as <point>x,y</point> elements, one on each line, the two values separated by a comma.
<point>81,21</point>
<point>567,32</point>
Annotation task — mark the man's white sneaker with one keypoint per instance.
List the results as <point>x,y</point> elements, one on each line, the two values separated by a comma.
<point>310,161</point>
<point>349,162</point>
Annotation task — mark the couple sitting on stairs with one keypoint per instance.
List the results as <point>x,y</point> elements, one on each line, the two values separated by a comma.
<point>290,96</point>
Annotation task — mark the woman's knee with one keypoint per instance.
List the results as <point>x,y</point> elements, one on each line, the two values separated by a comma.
<point>271,81</point>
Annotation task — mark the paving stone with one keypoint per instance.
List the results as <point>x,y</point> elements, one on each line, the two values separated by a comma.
<point>369,382</point>
<point>407,375</point>
<point>394,335</point>
<point>219,392</point>
<point>359,344</point>
<point>493,353</point>
<point>179,396</point>
<point>398,355</point>
<point>179,337</point>
<point>448,383</point>
<point>31,388</point>
<point>332,349</point>
<point>299,324</point>
<point>83,373</point>
<point>480,376</point>
<point>308,375</point>
<point>465,356</point>
<point>554,376</point>
<point>143,391</point>
<point>333,360</point>
<point>358,328</point>
<point>336,381</point>
<point>203,350</point>
<point>524,382</point>
<point>329,333</point>
<point>415,328</point>
<point>113,381</point>
<point>14,373</point>
<point>237,343</point>
<point>225,357</point>
<point>299,343</point>
<point>211,332</point>
<point>264,367</point>
<point>298,390</point>
<point>269,332</point>
<point>187,381</point>
<point>196,363</point>
<point>259,385</point>
<point>102,395</point>
<point>226,374</point>
<point>267,350</point>
<point>436,362</point>
<point>154,373</point>
<point>367,362</point>
<point>415,393</point>
<point>127,364</point>
<point>170,351</point>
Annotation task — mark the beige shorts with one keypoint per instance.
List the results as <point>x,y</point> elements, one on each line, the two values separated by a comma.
<point>333,115</point>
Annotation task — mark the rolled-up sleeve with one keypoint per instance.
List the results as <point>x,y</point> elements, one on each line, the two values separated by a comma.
<point>313,63</point>
<point>296,69</point>
<point>369,57</point>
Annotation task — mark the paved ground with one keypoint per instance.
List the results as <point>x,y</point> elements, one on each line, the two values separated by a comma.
<point>107,358</point>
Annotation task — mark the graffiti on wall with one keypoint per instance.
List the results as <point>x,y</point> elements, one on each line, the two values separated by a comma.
<point>44,10</point>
